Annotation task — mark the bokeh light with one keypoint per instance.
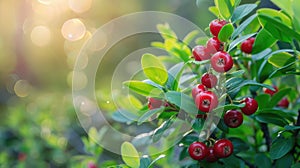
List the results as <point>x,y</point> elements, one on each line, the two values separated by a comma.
<point>73,29</point>
<point>22,88</point>
<point>41,36</point>
<point>80,6</point>
<point>45,2</point>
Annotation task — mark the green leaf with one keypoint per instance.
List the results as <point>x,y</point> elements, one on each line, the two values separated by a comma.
<point>278,96</point>
<point>166,32</point>
<point>271,118</point>
<point>149,114</point>
<point>242,11</point>
<point>270,111</point>
<point>281,27</point>
<point>230,107</point>
<point>225,8</point>
<point>291,127</point>
<point>239,40</point>
<point>130,155</point>
<point>144,89</point>
<point>274,15</point>
<point>198,124</point>
<point>280,147</point>
<point>123,116</point>
<point>262,161</point>
<point>222,126</point>
<point>263,100</point>
<point>238,73</point>
<point>261,55</point>
<point>285,161</point>
<point>174,75</point>
<point>296,165</point>
<point>263,41</point>
<point>281,59</point>
<point>214,10</point>
<point>145,162</point>
<point>183,101</point>
<point>296,11</point>
<point>285,6</point>
<point>243,26</point>
<point>287,69</point>
<point>226,32</point>
<point>158,132</point>
<point>156,159</point>
<point>190,36</point>
<point>239,145</point>
<point>154,69</point>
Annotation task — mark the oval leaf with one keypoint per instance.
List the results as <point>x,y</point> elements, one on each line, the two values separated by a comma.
<point>130,155</point>
<point>226,32</point>
<point>143,88</point>
<point>280,147</point>
<point>183,101</point>
<point>242,11</point>
<point>154,69</point>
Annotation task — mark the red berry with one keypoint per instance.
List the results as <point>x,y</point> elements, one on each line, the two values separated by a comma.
<point>271,92</point>
<point>214,44</point>
<point>250,106</point>
<point>284,103</point>
<point>206,101</point>
<point>197,89</point>
<point>21,156</point>
<point>209,80</point>
<point>221,61</point>
<point>92,165</point>
<point>154,103</point>
<point>211,156</point>
<point>198,150</point>
<point>247,45</point>
<point>216,25</point>
<point>233,118</point>
<point>200,53</point>
<point>223,148</point>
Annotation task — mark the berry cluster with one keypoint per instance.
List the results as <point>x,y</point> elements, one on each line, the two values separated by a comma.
<point>234,118</point>
<point>222,148</point>
<point>156,103</point>
<point>283,103</point>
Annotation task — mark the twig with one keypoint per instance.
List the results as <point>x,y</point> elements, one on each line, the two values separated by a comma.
<point>246,162</point>
<point>265,130</point>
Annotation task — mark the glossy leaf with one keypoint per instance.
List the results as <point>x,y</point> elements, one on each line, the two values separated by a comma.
<point>285,6</point>
<point>239,145</point>
<point>281,59</point>
<point>280,147</point>
<point>154,69</point>
<point>190,36</point>
<point>144,89</point>
<point>243,26</point>
<point>263,100</point>
<point>130,155</point>
<point>158,132</point>
<point>263,41</point>
<point>271,119</point>
<point>285,161</point>
<point>225,8</point>
<point>278,96</point>
<point>149,114</point>
<point>262,161</point>
<point>242,11</point>
<point>183,101</point>
<point>239,40</point>
<point>226,32</point>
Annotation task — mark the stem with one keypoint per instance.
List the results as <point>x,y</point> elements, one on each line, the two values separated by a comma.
<point>246,162</point>
<point>265,130</point>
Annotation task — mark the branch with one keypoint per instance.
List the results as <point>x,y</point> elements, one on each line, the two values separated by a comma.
<point>265,130</point>
<point>246,162</point>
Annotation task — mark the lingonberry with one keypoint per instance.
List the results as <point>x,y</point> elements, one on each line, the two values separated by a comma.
<point>206,101</point>
<point>155,103</point>
<point>209,80</point>
<point>91,165</point>
<point>223,148</point>
<point>271,92</point>
<point>214,44</point>
<point>284,103</point>
<point>250,106</point>
<point>247,45</point>
<point>233,118</point>
<point>211,156</point>
<point>197,89</point>
<point>200,53</point>
<point>198,150</point>
<point>221,61</point>
<point>216,25</point>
